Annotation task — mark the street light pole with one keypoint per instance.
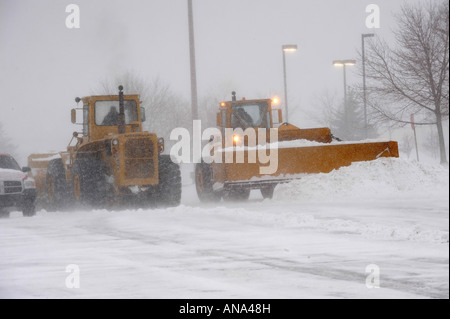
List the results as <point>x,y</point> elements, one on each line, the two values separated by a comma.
<point>363,36</point>
<point>286,47</point>
<point>345,96</point>
<point>194,102</point>
<point>344,64</point>
<point>285,86</point>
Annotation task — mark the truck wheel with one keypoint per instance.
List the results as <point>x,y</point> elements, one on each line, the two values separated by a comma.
<point>169,188</point>
<point>57,189</point>
<point>204,183</point>
<point>29,210</point>
<point>88,182</point>
<point>267,191</point>
<point>237,194</point>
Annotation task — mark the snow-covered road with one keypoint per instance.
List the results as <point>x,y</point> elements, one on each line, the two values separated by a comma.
<point>294,246</point>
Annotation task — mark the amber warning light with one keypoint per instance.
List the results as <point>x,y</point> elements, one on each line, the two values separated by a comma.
<point>276,100</point>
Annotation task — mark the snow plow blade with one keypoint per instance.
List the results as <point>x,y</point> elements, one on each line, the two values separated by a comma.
<point>295,161</point>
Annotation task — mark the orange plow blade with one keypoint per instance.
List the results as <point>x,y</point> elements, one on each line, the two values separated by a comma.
<point>303,160</point>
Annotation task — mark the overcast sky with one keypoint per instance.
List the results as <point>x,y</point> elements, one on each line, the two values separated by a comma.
<point>44,65</point>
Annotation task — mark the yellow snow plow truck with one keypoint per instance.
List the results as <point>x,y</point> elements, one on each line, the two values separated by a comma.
<point>111,161</point>
<point>253,152</point>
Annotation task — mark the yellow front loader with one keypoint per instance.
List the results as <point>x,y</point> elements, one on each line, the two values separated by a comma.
<point>252,152</point>
<point>112,160</point>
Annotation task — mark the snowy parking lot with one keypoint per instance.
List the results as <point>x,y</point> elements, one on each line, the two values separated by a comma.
<point>371,230</point>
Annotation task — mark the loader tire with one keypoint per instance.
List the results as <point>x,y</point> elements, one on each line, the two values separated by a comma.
<point>88,182</point>
<point>204,184</point>
<point>267,191</point>
<point>57,189</point>
<point>169,188</point>
<point>237,194</point>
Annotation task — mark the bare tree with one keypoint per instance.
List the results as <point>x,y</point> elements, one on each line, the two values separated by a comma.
<point>324,108</point>
<point>347,124</point>
<point>413,77</point>
<point>431,143</point>
<point>209,102</point>
<point>406,144</point>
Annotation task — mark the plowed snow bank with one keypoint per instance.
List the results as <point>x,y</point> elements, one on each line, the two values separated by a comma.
<point>363,180</point>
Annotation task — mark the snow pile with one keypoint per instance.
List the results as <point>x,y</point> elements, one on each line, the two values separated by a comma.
<point>385,177</point>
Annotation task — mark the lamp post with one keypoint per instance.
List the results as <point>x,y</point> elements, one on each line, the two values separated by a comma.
<point>344,64</point>
<point>363,36</point>
<point>194,103</point>
<point>286,48</point>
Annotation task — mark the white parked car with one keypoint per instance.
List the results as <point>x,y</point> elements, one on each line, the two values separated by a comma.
<point>17,188</point>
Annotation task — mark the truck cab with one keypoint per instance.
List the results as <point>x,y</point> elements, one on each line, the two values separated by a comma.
<point>17,188</point>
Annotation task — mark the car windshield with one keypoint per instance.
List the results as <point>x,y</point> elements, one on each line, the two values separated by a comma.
<point>252,114</point>
<point>107,112</point>
<point>8,162</point>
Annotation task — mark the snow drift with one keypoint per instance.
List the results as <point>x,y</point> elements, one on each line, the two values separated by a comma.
<point>385,177</point>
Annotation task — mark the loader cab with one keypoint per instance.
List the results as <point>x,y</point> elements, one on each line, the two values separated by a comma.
<point>107,112</point>
<point>245,114</point>
<point>101,115</point>
<point>250,114</point>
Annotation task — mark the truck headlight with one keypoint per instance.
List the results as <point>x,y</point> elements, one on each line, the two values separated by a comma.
<point>29,183</point>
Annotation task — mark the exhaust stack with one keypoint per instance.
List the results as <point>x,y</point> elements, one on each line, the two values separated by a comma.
<point>121,111</point>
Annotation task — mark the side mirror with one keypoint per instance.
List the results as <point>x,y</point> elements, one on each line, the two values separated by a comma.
<point>26,169</point>
<point>277,116</point>
<point>280,116</point>
<point>73,115</point>
<point>142,114</point>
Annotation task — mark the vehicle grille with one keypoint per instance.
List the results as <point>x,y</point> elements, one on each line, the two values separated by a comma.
<point>139,161</point>
<point>139,168</point>
<point>12,187</point>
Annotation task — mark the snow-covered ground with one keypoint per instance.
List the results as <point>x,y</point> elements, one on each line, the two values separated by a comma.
<point>313,240</point>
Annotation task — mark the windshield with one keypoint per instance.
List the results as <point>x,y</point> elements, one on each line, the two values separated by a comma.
<point>107,112</point>
<point>8,162</point>
<point>249,115</point>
